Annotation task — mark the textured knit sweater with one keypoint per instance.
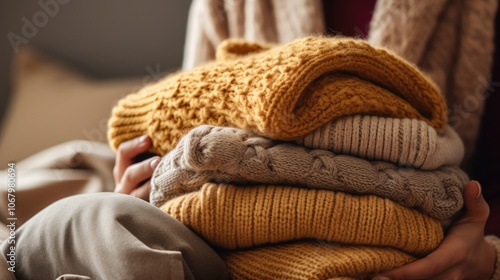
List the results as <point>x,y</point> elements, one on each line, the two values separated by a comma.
<point>451,41</point>
<point>405,142</point>
<point>284,92</point>
<point>224,154</point>
<point>312,260</point>
<point>237,217</point>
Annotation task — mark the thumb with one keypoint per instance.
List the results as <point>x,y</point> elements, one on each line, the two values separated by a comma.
<point>476,208</point>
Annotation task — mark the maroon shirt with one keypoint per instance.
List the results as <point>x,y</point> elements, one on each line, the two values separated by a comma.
<point>351,18</point>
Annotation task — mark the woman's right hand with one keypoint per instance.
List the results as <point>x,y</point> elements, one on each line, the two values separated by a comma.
<point>130,177</point>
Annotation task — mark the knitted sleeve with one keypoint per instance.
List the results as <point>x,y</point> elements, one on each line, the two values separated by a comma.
<point>495,242</point>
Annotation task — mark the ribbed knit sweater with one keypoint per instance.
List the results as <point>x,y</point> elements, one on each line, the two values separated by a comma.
<point>284,92</point>
<point>236,217</point>
<point>312,260</point>
<point>405,142</point>
<point>224,154</point>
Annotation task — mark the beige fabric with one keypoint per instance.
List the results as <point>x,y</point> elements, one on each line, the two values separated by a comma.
<point>110,236</point>
<point>70,168</point>
<point>495,242</point>
<point>275,21</point>
<point>451,40</point>
<point>4,232</point>
<point>5,274</point>
<point>52,103</point>
<point>225,154</point>
<point>405,142</point>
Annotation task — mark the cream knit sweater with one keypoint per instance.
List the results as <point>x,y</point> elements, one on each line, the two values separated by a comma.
<point>405,142</point>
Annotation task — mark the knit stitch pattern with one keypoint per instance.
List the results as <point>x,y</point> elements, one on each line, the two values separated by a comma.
<point>312,260</point>
<point>405,142</point>
<point>224,154</point>
<point>283,93</point>
<point>236,217</point>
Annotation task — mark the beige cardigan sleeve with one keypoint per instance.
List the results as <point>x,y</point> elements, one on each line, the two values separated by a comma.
<point>495,242</point>
<point>266,21</point>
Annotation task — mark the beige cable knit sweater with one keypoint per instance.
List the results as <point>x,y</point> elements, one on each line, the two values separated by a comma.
<point>224,154</point>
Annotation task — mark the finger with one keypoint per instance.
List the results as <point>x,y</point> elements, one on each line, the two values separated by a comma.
<point>142,192</point>
<point>135,174</point>
<point>126,153</point>
<point>476,208</point>
<point>432,265</point>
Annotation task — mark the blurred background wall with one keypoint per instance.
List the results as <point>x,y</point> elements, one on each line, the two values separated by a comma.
<point>102,39</point>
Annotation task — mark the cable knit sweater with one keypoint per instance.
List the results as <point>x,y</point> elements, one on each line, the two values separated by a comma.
<point>223,154</point>
<point>284,92</point>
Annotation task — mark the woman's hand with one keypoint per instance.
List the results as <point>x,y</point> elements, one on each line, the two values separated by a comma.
<point>463,254</point>
<point>130,177</point>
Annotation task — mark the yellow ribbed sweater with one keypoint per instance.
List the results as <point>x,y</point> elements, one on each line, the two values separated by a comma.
<point>283,92</point>
<point>235,217</point>
<point>309,260</point>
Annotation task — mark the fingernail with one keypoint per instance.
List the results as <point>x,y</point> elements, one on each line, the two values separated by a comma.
<point>381,278</point>
<point>479,189</point>
<point>154,162</point>
<point>143,140</point>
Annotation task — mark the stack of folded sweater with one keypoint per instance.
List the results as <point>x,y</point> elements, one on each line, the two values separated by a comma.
<point>323,158</point>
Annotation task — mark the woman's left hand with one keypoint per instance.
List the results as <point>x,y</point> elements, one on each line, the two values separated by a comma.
<point>463,254</point>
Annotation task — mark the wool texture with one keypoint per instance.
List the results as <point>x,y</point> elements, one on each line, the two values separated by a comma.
<point>405,142</point>
<point>495,242</point>
<point>451,41</point>
<point>237,217</point>
<point>211,22</point>
<point>283,93</point>
<point>312,260</point>
<point>224,154</point>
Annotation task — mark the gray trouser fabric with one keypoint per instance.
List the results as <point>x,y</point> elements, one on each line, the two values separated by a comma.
<point>111,236</point>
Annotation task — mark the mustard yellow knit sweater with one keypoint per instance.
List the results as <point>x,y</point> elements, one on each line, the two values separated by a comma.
<point>282,92</point>
<point>310,260</point>
<point>236,217</point>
